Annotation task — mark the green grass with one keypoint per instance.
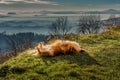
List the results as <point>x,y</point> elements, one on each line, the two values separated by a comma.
<point>101,61</point>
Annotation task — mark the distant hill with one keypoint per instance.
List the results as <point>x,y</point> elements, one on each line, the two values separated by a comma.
<point>109,11</point>
<point>112,21</point>
<point>101,61</point>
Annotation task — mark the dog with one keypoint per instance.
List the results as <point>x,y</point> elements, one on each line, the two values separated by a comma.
<point>58,47</point>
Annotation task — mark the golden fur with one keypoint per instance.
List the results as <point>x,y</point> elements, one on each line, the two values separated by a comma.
<point>58,47</point>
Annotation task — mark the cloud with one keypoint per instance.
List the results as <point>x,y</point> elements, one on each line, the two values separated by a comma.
<point>28,1</point>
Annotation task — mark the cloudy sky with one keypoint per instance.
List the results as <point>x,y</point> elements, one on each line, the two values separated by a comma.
<point>59,4</point>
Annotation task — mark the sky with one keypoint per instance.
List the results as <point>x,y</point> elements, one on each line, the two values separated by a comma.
<point>70,5</point>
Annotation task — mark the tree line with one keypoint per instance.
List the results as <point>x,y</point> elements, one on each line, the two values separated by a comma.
<point>21,41</point>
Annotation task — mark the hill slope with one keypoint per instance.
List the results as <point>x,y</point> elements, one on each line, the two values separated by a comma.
<point>101,61</point>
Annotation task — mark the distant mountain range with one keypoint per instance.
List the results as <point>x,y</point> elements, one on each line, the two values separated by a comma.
<point>109,11</point>
<point>55,13</point>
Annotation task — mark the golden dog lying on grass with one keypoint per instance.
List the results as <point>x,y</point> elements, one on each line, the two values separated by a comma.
<point>58,47</point>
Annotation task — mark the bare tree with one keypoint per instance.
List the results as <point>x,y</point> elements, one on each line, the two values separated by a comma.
<point>60,27</point>
<point>89,24</point>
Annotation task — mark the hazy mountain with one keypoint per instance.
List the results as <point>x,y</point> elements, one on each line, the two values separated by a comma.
<point>109,11</point>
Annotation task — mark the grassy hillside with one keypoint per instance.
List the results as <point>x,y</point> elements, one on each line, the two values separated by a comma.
<point>101,61</point>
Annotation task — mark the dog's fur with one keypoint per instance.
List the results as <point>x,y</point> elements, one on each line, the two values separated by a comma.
<point>58,47</point>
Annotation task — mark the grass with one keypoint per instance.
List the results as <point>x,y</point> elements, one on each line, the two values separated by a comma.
<point>101,61</point>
